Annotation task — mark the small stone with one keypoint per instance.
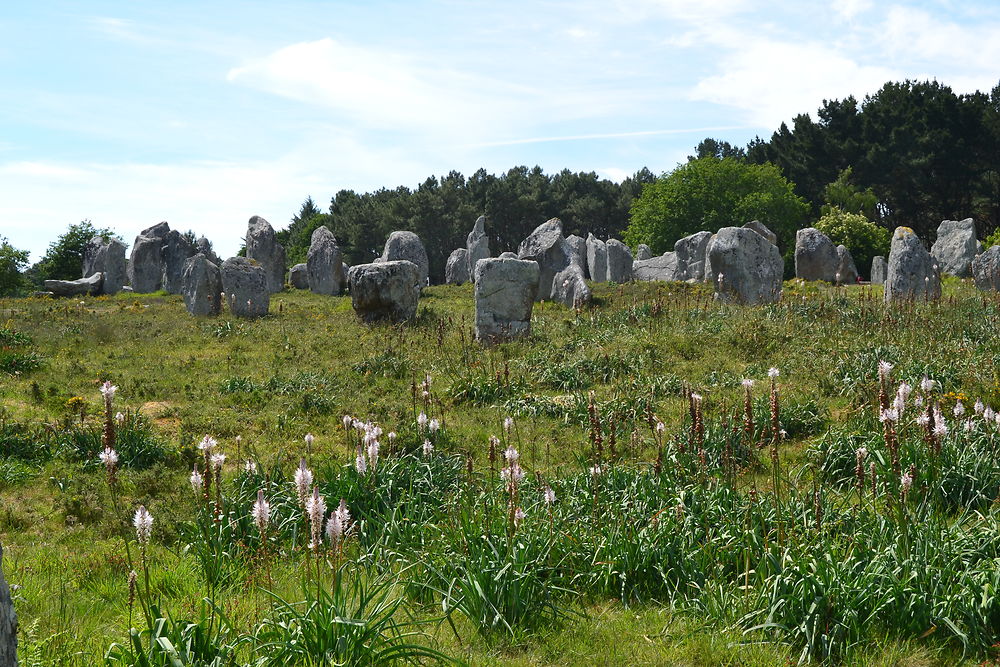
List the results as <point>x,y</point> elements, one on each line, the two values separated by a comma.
<point>456,270</point>
<point>263,247</point>
<point>846,269</point>
<point>986,269</point>
<point>407,246</point>
<point>956,246</point>
<point>619,261</point>
<point>298,276</point>
<point>664,268</point>
<point>201,286</point>
<point>690,252</point>
<point>385,291</point>
<point>815,256</point>
<point>879,269</point>
<point>505,293</point>
<point>244,282</point>
<point>761,228</point>
<point>911,273</point>
<point>569,287</point>
<point>748,268</point>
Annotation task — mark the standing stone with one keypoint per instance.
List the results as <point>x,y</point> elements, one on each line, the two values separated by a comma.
<point>578,251</point>
<point>456,270</point>
<point>619,261</point>
<point>325,263</point>
<point>407,246</point>
<point>643,252</point>
<point>505,293</point>
<point>569,287</point>
<point>879,269</point>
<point>263,246</point>
<point>986,269</point>
<point>760,228</point>
<point>846,269</point>
<point>8,622</point>
<point>107,257</point>
<point>145,264</point>
<point>204,246</point>
<point>815,256</point>
<point>664,268</point>
<point>507,255</point>
<point>911,270</point>
<point>386,290</point>
<point>84,286</point>
<point>175,251</point>
<point>748,268</point>
<point>546,246</point>
<point>956,246</point>
<point>201,285</point>
<point>478,245</point>
<point>690,252</point>
<point>597,259</point>
<point>244,282</point>
<point>298,276</point>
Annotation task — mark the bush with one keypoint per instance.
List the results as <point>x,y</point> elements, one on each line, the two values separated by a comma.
<point>862,237</point>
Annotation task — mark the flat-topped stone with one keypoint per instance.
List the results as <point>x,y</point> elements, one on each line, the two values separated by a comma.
<point>385,291</point>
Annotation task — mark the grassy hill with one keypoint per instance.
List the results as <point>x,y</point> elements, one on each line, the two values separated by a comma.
<point>747,529</point>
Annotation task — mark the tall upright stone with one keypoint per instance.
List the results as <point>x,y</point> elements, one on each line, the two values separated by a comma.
<point>505,293</point>
<point>106,256</point>
<point>407,246</point>
<point>578,251</point>
<point>263,247</point>
<point>879,269</point>
<point>456,269</point>
<point>145,265</point>
<point>690,254</point>
<point>175,251</point>
<point>8,622</point>
<point>324,263</point>
<point>547,246</point>
<point>385,291</point>
<point>201,286</point>
<point>597,259</point>
<point>748,268</point>
<point>478,245</point>
<point>244,282</point>
<point>815,256</point>
<point>847,272</point>
<point>619,261</point>
<point>911,273</point>
<point>956,246</point>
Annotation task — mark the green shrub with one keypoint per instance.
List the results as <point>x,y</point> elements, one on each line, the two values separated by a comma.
<point>862,237</point>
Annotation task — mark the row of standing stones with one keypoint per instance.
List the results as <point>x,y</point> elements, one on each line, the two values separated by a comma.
<point>742,263</point>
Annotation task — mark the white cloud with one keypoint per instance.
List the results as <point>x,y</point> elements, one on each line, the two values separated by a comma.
<point>946,48</point>
<point>774,81</point>
<point>614,173</point>
<point>851,9</point>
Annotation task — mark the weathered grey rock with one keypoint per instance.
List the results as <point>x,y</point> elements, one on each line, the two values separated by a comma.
<point>478,245</point>
<point>145,264</point>
<point>664,268</point>
<point>879,269</point>
<point>569,287</point>
<point>107,257</point>
<point>89,285</point>
<point>325,269</point>
<point>709,276</point>
<point>263,247</point>
<point>244,282</point>
<point>690,252</point>
<point>507,255</point>
<point>847,272</point>
<point>761,228</point>
<point>8,623</point>
<point>201,286</point>
<point>298,276</point>
<point>643,252</point>
<point>546,246</point>
<point>619,261</point>
<point>597,259</point>
<point>815,256</point>
<point>578,251</point>
<point>175,252</point>
<point>986,269</point>
<point>41,294</point>
<point>407,246</point>
<point>956,246</point>
<point>910,273</point>
<point>385,291</point>
<point>505,292</point>
<point>204,246</point>
<point>456,270</point>
<point>747,267</point>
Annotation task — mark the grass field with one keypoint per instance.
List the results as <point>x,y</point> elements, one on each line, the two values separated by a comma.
<point>771,524</point>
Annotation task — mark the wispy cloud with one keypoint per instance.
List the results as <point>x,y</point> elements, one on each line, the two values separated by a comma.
<point>610,135</point>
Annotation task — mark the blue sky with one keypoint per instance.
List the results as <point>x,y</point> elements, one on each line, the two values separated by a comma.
<point>206,113</point>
